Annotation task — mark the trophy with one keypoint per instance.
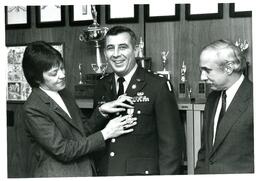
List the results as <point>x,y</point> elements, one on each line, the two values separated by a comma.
<point>183,72</point>
<point>182,85</point>
<point>141,48</point>
<point>164,55</point>
<point>242,45</point>
<point>95,33</point>
<point>164,72</point>
<point>80,74</point>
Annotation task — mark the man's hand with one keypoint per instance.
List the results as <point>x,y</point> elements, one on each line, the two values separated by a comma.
<point>120,104</point>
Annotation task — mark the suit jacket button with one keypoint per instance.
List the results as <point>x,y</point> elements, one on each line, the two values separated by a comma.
<point>112,154</point>
<point>139,112</point>
<point>146,172</point>
<point>113,140</point>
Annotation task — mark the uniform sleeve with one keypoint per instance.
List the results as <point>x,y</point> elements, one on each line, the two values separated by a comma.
<point>96,122</point>
<point>170,131</point>
<point>45,132</point>
<point>97,93</point>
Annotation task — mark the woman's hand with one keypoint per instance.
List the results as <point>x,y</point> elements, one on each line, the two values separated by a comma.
<point>118,126</point>
<point>118,105</point>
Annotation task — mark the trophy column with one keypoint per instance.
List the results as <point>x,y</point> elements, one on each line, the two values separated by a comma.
<point>183,88</point>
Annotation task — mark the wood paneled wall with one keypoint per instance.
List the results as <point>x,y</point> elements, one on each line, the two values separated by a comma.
<point>75,52</point>
<point>185,39</point>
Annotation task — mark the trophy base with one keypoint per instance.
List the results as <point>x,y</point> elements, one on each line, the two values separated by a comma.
<point>84,91</point>
<point>182,90</point>
<point>203,90</point>
<point>144,62</point>
<point>99,69</point>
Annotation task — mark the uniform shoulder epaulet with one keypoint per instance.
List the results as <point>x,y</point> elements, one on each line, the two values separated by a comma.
<point>104,75</point>
<point>169,85</point>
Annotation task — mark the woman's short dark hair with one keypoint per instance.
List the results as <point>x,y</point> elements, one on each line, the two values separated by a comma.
<point>39,57</point>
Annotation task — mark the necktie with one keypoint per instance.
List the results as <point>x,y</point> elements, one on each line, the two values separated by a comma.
<point>223,107</point>
<point>121,86</point>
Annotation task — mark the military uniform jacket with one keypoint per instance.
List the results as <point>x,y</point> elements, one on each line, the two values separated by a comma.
<point>155,146</point>
<point>232,151</point>
<point>61,146</point>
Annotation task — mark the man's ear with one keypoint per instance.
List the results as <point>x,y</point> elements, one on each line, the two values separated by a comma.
<point>229,68</point>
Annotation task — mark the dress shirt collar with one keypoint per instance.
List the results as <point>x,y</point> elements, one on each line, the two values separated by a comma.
<point>57,98</point>
<point>231,91</point>
<point>127,78</point>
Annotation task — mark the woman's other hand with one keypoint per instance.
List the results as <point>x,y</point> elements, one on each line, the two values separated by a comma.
<point>118,126</point>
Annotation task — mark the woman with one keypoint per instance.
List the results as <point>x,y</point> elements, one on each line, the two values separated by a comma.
<point>62,141</point>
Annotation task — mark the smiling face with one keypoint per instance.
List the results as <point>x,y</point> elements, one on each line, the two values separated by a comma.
<point>211,71</point>
<point>120,53</point>
<point>54,79</point>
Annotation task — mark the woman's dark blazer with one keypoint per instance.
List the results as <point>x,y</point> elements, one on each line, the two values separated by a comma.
<point>61,145</point>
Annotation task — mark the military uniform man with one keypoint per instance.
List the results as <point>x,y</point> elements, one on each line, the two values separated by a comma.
<point>155,146</point>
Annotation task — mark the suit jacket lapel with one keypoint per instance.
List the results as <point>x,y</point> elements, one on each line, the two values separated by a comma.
<point>234,111</point>
<point>56,108</point>
<point>137,82</point>
<point>75,121</point>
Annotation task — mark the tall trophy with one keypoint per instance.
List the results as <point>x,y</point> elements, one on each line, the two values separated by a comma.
<point>141,48</point>
<point>164,72</point>
<point>182,84</point>
<point>95,33</point>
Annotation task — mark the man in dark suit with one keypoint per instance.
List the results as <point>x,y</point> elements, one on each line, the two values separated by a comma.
<point>227,138</point>
<point>155,146</point>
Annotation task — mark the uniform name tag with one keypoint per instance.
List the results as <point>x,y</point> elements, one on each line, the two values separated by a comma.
<point>140,97</point>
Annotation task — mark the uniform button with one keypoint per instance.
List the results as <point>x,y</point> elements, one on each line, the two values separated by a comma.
<point>113,140</point>
<point>146,172</point>
<point>139,112</point>
<point>112,154</point>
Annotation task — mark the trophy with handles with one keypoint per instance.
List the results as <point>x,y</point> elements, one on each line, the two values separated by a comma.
<point>95,33</point>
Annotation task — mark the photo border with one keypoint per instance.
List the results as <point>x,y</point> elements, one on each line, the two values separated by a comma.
<point>206,16</point>
<point>40,24</point>
<point>149,18</point>
<point>73,22</point>
<point>18,26</point>
<point>238,14</point>
<point>134,19</point>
